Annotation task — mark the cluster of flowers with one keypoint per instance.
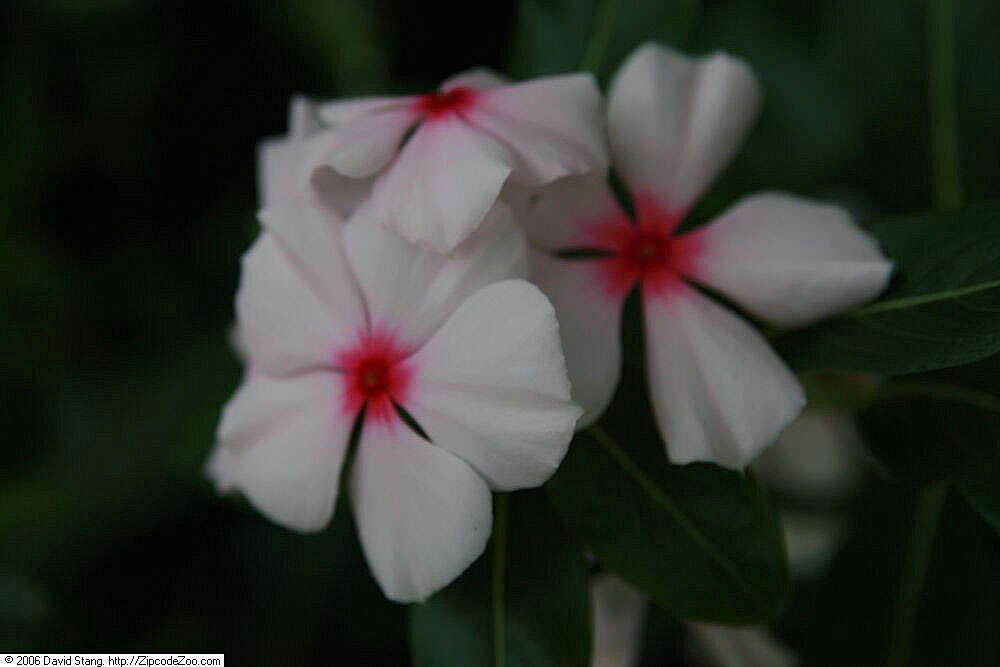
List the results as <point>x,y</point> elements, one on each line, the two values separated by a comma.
<point>389,292</point>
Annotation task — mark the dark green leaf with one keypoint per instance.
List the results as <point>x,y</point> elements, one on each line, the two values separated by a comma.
<point>942,425</point>
<point>542,611</point>
<point>942,309</point>
<point>554,36</point>
<point>700,540</point>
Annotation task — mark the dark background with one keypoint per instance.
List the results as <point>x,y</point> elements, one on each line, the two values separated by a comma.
<point>128,191</point>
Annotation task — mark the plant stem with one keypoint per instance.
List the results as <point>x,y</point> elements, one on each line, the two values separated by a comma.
<point>499,580</point>
<point>916,561</point>
<point>943,118</point>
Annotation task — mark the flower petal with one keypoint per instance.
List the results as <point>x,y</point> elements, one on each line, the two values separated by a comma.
<point>719,392</point>
<point>277,157</point>
<point>491,386</point>
<point>363,145</point>
<point>561,215</point>
<point>410,291</point>
<point>337,112</point>
<point>423,516</point>
<point>477,78</point>
<point>789,260</point>
<point>555,125</point>
<point>619,619</point>
<point>445,180</point>
<point>297,302</point>
<point>727,646</point>
<point>675,122</point>
<point>290,167</point>
<point>589,325</point>
<point>282,444</point>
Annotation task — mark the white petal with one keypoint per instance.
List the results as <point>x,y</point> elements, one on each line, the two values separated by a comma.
<point>445,180</point>
<point>726,646</point>
<point>423,515</point>
<point>818,458</point>
<point>363,145</point>
<point>789,260</point>
<point>491,386</point>
<point>555,125</point>
<point>291,167</point>
<point>336,112</point>
<point>675,122</point>
<point>558,216</point>
<point>478,78</point>
<point>278,158</point>
<point>282,443</point>
<point>284,324</point>
<point>719,392</point>
<point>619,615</point>
<point>411,291</point>
<point>589,326</point>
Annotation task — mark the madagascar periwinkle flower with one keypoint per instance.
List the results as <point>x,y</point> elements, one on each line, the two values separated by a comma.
<point>462,143</point>
<point>350,324</point>
<point>719,392</point>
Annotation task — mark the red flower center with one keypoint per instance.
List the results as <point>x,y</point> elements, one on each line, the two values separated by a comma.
<point>646,252</point>
<point>453,100</point>
<point>376,376</point>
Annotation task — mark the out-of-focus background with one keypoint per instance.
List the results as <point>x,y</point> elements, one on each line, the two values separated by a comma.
<point>127,194</point>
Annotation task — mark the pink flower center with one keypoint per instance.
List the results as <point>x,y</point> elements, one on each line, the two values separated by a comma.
<point>646,252</point>
<point>453,100</point>
<point>376,376</point>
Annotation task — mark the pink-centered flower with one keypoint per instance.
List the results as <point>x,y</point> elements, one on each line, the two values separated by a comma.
<point>287,167</point>
<point>719,392</point>
<point>464,142</point>
<point>339,321</point>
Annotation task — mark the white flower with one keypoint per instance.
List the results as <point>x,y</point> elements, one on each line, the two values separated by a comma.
<point>719,392</point>
<point>338,323</point>
<point>286,168</point>
<point>466,140</point>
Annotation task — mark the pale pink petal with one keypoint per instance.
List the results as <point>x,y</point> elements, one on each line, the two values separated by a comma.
<point>589,325</point>
<point>336,112</point>
<point>675,122</point>
<point>726,646</point>
<point>445,180</point>
<point>491,386</point>
<point>478,78</point>
<point>619,613</point>
<point>562,215</point>
<point>340,194</point>
<point>410,291</point>
<point>554,125</point>
<point>291,166</point>
<point>423,515</point>
<point>278,168</point>
<point>281,442</point>
<point>362,146</point>
<point>789,260</point>
<point>297,302</point>
<point>719,392</point>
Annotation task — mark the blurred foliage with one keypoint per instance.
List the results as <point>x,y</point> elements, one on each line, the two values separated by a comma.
<point>127,176</point>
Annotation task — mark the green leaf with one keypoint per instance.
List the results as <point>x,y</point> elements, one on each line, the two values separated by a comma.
<point>943,425</point>
<point>700,540</point>
<point>554,36</point>
<point>530,590</point>
<point>942,308</point>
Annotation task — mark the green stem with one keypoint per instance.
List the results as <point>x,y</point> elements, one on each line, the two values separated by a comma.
<point>941,88</point>
<point>499,580</point>
<point>600,35</point>
<point>916,561</point>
